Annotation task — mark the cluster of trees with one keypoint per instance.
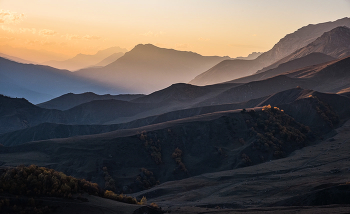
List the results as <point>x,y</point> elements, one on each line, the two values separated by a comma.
<point>41,181</point>
<point>177,156</point>
<point>145,179</point>
<point>325,111</point>
<point>152,146</point>
<point>109,181</point>
<point>33,181</point>
<point>275,133</point>
<point>23,206</point>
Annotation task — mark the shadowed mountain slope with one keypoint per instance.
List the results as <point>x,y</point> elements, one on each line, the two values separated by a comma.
<point>299,39</point>
<point>281,99</point>
<point>147,68</point>
<point>83,60</point>
<point>228,69</point>
<point>110,59</point>
<point>19,114</point>
<point>312,176</point>
<point>327,77</point>
<point>187,147</point>
<point>46,80</point>
<point>308,60</point>
<point>335,43</point>
<point>16,59</point>
<point>71,100</point>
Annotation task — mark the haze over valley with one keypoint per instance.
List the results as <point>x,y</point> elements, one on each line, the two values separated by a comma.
<point>174,106</point>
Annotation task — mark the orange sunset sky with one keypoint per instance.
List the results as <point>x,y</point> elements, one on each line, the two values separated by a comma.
<point>64,28</point>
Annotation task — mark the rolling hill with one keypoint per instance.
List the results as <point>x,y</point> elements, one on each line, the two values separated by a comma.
<point>71,100</point>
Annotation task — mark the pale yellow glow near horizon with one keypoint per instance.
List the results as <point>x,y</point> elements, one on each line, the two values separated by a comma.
<point>221,27</point>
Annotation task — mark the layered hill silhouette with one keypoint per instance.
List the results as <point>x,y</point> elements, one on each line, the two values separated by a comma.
<point>71,100</point>
<point>216,141</point>
<point>101,58</point>
<point>308,60</point>
<point>327,77</point>
<point>286,46</point>
<point>282,99</point>
<point>16,59</point>
<point>39,83</point>
<point>147,68</point>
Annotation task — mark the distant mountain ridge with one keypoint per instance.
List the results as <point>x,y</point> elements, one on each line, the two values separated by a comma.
<point>147,68</point>
<point>286,46</point>
<point>299,39</point>
<point>39,83</point>
<point>308,60</point>
<point>335,43</point>
<point>83,60</point>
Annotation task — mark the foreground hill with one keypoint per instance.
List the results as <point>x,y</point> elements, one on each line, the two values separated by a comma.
<point>44,80</point>
<point>313,179</point>
<point>36,189</point>
<point>147,68</point>
<point>335,43</point>
<point>286,46</point>
<point>71,100</point>
<point>84,60</point>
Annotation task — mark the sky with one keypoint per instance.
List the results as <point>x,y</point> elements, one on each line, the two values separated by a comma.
<point>232,28</point>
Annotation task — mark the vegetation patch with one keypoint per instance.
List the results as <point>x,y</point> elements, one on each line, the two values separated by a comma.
<point>177,156</point>
<point>34,181</point>
<point>325,111</point>
<point>275,134</point>
<point>153,147</point>
<point>146,180</point>
<point>109,181</point>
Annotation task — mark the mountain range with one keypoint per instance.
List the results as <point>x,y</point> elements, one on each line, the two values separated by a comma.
<point>147,68</point>
<point>38,83</point>
<point>274,139</point>
<point>234,69</point>
<point>101,58</point>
